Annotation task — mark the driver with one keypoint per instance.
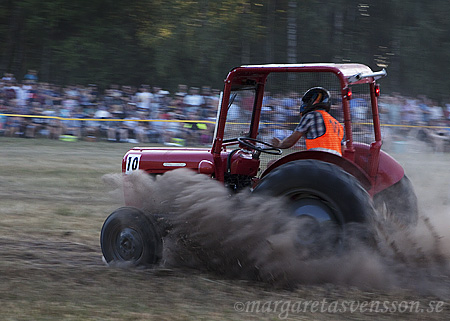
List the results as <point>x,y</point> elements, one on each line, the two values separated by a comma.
<point>321,130</point>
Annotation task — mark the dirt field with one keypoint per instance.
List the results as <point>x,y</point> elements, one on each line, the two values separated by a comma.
<point>53,201</point>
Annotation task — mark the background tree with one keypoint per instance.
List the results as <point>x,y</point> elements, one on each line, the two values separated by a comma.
<point>196,42</point>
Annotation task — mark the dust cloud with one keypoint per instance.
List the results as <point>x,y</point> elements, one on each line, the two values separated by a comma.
<point>251,237</point>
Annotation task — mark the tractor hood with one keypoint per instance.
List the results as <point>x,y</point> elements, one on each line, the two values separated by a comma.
<point>156,160</point>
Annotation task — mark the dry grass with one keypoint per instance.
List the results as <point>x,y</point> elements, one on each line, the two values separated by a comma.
<point>52,206</point>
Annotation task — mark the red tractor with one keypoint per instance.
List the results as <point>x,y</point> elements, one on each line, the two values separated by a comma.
<point>259,102</point>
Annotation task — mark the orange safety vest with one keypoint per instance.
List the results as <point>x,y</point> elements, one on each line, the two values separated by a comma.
<point>334,132</point>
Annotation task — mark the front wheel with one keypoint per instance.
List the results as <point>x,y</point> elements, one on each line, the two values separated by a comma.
<point>129,236</point>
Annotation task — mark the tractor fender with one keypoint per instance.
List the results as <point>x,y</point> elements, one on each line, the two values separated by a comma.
<point>344,163</point>
<point>389,170</point>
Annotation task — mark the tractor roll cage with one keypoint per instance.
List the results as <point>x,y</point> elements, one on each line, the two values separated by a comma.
<point>254,76</point>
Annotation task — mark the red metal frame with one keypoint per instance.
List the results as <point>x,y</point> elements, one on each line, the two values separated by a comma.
<point>375,169</point>
<point>348,74</point>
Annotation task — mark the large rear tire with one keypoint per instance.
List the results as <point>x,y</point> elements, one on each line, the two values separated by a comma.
<point>319,188</point>
<point>129,236</point>
<point>398,203</point>
<point>322,195</point>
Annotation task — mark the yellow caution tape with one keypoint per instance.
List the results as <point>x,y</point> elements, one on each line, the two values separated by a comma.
<point>200,122</point>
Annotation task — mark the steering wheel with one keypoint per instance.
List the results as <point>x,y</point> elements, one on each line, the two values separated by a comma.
<point>250,143</point>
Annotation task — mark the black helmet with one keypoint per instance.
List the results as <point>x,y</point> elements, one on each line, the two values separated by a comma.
<point>314,98</point>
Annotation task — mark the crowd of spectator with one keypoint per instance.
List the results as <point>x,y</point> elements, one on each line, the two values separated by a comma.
<point>420,119</point>
<point>121,113</point>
